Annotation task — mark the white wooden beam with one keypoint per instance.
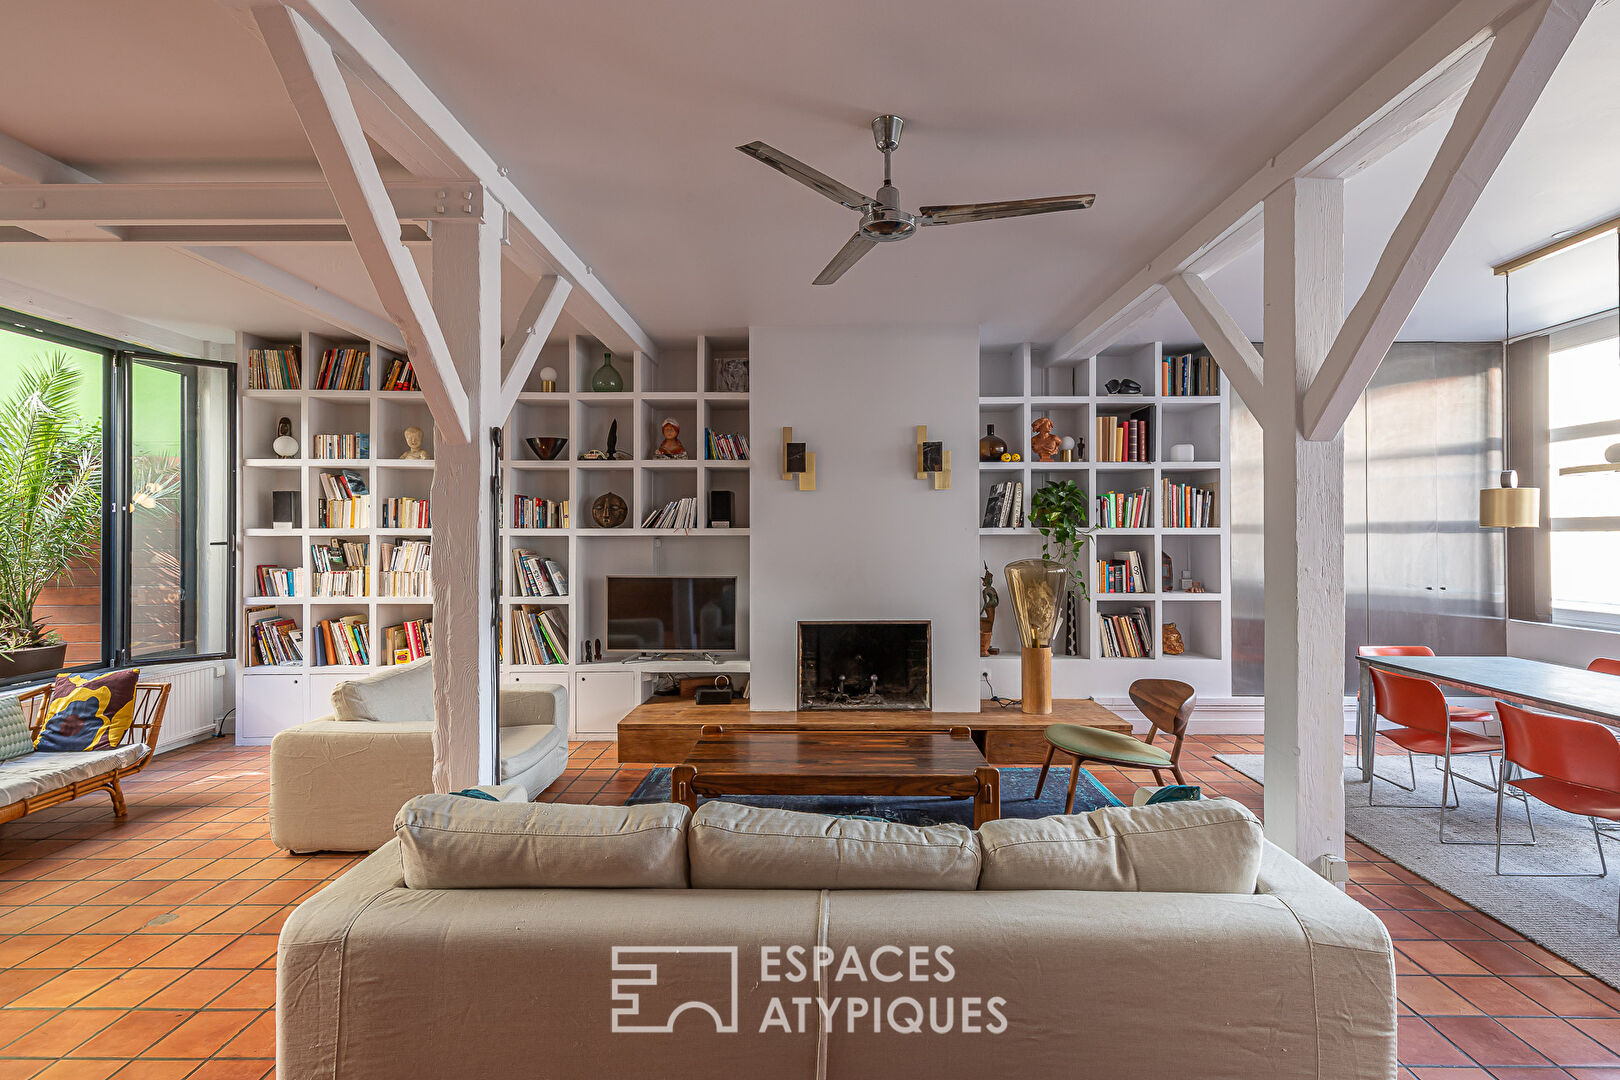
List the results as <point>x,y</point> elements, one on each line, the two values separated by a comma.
<point>436,132</point>
<point>315,85</point>
<point>1094,338</point>
<point>1522,58</point>
<point>523,348</point>
<point>47,305</point>
<point>246,204</point>
<point>1304,534</point>
<point>22,164</point>
<point>467,295</point>
<point>1214,325</point>
<point>1451,40</point>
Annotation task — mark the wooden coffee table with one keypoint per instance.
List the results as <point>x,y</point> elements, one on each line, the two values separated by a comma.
<point>755,762</point>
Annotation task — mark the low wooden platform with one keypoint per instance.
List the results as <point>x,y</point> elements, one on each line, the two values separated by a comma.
<point>664,731</point>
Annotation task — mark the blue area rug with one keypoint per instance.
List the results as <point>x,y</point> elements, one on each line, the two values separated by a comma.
<point>1017,799</point>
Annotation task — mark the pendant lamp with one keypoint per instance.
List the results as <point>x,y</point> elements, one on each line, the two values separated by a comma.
<point>1508,506</point>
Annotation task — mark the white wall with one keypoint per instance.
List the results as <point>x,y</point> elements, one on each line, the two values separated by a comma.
<point>872,541</point>
<point>1572,646</point>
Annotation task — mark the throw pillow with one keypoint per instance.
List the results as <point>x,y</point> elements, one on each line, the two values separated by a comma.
<point>89,712</point>
<point>15,740</point>
<point>1175,793</point>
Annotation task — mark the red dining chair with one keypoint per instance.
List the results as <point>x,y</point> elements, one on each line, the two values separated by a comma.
<point>1578,763</point>
<point>1603,665</point>
<point>1463,713</point>
<point>1422,725</point>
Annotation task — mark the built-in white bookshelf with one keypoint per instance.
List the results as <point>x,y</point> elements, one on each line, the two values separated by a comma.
<point>680,383</point>
<point>1016,387</point>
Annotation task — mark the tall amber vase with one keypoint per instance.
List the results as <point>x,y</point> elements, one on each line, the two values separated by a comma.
<point>1037,588</point>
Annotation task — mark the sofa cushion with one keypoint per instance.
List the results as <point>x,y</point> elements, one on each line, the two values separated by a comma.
<point>35,774</point>
<point>15,740</point>
<point>396,694</point>
<point>523,747</point>
<point>89,712</point>
<point>1204,846</point>
<point>749,847</point>
<point>454,843</point>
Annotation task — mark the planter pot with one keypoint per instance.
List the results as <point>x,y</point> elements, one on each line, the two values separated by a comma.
<point>29,661</point>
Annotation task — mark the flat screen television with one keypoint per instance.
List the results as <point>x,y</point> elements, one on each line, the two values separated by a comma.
<point>672,614</point>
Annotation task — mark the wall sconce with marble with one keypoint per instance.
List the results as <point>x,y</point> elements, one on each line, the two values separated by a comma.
<point>797,462</point>
<point>933,460</point>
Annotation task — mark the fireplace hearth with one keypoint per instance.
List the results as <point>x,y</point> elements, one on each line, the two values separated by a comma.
<point>865,665</point>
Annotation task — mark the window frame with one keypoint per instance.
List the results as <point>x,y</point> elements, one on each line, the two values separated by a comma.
<point>117,548</point>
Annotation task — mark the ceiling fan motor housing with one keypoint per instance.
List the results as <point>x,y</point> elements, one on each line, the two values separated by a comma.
<point>885,221</point>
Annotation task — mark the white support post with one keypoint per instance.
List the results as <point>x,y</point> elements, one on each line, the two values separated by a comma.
<point>467,298</point>
<point>1521,60</point>
<point>1304,519</point>
<point>315,84</point>
<point>1214,325</point>
<point>522,349</point>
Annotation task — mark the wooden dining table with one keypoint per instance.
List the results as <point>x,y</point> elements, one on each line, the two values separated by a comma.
<point>1533,684</point>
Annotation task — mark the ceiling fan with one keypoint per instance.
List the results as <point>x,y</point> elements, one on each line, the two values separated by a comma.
<point>882,220</point>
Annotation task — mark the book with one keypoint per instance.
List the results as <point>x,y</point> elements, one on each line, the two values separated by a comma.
<point>273,639</point>
<point>281,581</point>
<point>1004,506</point>
<point>1189,375</point>
<point>275,368</point>
<point>539,636</point>
<point>406,642</point>
<point>675,514</point>
<point>530,512</point>
<point>404,513</point>
<point>404,568</point>
<point>399,375</point>
<point>354,446</point>
<point>1189,506</point>
<point>718,447</point>
<point>345,368</point>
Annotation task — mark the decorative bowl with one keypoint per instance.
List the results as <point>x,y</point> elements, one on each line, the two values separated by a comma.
<point>547,447</point>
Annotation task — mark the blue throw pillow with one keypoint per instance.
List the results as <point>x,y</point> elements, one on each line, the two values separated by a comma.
<point>1175,793</point>
<point>474,793</point>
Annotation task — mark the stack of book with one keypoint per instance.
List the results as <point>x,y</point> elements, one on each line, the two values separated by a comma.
<point>675,514</point>
<point>1004,506</point>
<point>273,369</point>
<point>340,567</point>
<point>539,636</point>
<point>344,642</point>
<point>1125,438</point>
<point>1121,574</point>
<point>346,368</point>
<point>1127,635</point>
<point>1122,510</point>
<point>726,447</point>
<point>353,447</point>
<point>273,639</point>
<point>405,513</point>
<point>345,501</point>
<point>404,568</point>
<point>537,576</point>
<point>533,513</point>
<point>1189,375</point>
<point>406,642</point>
<point>1188,507</point>
<point>281,581</point>
<point>399,376</point>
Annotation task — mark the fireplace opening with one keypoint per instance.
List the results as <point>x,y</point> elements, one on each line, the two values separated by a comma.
<point>865,665</point>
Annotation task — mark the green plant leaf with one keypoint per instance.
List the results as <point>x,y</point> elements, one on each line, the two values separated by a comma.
<point>1058,512</point>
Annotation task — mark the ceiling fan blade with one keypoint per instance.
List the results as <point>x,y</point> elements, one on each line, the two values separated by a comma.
<point>847,256</point>
<point>984,211</point>
<point>804,174</point>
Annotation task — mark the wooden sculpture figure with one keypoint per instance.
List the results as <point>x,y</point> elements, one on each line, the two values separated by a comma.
<point>989,599</point>
<point>1043,445</point>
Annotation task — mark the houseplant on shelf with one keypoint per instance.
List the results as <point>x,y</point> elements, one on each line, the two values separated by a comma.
<point>50,506</point>
<point>1058,512</point>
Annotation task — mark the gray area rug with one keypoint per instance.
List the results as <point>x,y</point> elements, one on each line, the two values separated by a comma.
<point>1571,917</point>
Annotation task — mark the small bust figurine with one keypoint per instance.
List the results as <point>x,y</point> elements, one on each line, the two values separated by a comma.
<point>1043,445</point>
<point>671,446</point>
<point>413,445</point>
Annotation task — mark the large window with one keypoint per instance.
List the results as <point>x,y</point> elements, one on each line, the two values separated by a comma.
<point>1583,419</point>
<point>155,579</point>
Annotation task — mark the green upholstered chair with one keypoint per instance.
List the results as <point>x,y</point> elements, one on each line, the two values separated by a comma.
<point>1168,706</point>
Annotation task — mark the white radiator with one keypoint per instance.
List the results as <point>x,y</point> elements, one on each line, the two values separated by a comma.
<point>196,702</point>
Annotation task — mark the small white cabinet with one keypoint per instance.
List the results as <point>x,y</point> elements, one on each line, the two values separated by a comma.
<point>269,702</point>
<point>601,700</point>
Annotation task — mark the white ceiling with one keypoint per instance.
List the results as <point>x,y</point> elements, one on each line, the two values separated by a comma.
<point>618,119</point>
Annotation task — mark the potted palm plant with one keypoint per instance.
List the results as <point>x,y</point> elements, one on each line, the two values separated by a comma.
<point>50,506</point>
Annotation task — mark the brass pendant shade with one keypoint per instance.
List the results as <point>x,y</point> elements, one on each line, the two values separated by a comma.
<point>1509,506</point>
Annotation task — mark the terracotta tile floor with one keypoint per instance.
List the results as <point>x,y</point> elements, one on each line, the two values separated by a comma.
<point>147,949</point>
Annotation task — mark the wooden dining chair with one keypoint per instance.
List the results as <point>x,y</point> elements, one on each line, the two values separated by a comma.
<point>1168,706</point>
<point>1604,665</point>
<point>1578,763</point>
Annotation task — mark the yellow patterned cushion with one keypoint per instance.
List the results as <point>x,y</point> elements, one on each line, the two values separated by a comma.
<point>89,712</point>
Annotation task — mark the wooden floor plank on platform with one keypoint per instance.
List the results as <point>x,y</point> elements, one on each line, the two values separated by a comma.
<point>664,731</point>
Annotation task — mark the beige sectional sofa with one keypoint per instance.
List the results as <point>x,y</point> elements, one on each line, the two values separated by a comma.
<point>336,783</point>
<point>567,941</point>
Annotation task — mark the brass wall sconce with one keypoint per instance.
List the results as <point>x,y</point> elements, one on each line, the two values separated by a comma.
<point>933,460</point>
<point>797,462</point>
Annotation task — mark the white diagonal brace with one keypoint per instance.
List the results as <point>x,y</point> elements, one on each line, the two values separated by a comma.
<point>1522,58</point>
<point>1214,325</point>
<point>315,85</point>
<point>523,349</point>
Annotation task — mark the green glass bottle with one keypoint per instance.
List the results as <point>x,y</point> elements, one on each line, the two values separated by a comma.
<point>607,379</point>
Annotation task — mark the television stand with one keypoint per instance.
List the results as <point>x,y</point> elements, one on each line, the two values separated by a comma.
<point>644,657</point>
